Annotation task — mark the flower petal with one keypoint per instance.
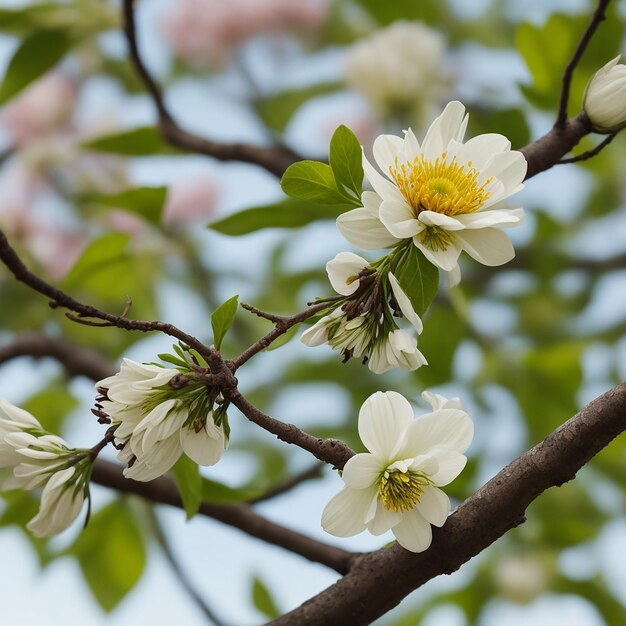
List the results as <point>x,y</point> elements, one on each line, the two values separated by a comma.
<point>449,126</point>
<point>431,218</point>
<point>386,149</point>
<point>383,519</point>
<point>343,272</point>
<point>399,219</point>
<point>405,304</point>
<point>434,506</point>
<point>364,230</point>
<point>383,420</point>
<point>451,464</point>
<point>411,144</point>
<point>478,150</point>
<point>488,246</point>
<point>344,515</point>
<point>437,401</point>
<point>447,429</point>
<point>446,259</point>
<point>496,218</point>
<point>362,471</point>
<point>206,446</point>
<point>381,185</point>
<point>413,532</point>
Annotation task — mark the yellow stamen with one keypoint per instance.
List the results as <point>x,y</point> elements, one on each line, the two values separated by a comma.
<point>441,186</point>
<point>401,491</point>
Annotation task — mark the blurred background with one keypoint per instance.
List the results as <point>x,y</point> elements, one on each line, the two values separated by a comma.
<point>97,203</point>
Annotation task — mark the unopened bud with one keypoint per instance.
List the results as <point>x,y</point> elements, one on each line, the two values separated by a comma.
<point>604,101</point>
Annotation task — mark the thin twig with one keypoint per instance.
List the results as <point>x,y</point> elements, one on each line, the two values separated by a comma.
<point>590,153</point>
<point>283,324</point>
<point>59,298</point>
<point>598,16</point>
<point>313,472</point>
<point>274,159</point>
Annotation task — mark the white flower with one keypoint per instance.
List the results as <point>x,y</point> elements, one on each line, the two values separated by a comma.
<point>604,101</point>
<point>396,484</point>
<point>156,423</point>
<point>38,459</point>
<point>61,502</point>
<point>399,69</point>
<point>443,194</point>
<point>363,325</point>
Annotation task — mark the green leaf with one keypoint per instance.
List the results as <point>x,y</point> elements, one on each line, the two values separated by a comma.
<point>188,481</point>
<point>418,278</point>
<point>99,255</point>
<point>277,110</point>
<point>262,599</point>
<point>286,214</point>
<point>144,141</point>
<point>37,54</point>
<point>218,493</point>
<point>346,160</point>
<point>283,339</point>
<point>508,122</point>
<point>222,319</point>
<point>312,180</point>
<point>111,553</point>
<point>145,201</point>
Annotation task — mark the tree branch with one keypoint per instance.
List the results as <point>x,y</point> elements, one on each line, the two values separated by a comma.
<point>380,580</point>
<point>60,299</point>
<point>163,490</point>
<point>274,159</point>
<point>315,471</point>
<point>590,153</point>
<point>598,16</point>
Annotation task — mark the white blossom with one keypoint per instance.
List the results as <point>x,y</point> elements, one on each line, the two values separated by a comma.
<point>395,486</point>
<point>398,69</point>
<point>362,325</point>
<point>604,101</point>
<point>444,195</point>
<point>155,423</point>
<point>39,459</point>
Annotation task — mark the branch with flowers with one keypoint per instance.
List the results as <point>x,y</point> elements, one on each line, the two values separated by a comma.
<point>424,199</point>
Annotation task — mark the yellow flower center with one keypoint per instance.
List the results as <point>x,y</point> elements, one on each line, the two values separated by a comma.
<point>441,186</point>
<point>401,491</point>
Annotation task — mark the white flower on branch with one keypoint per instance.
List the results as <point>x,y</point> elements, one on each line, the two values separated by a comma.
<point>39,459</point>
<point>395,486</point>
<point>398,69</point>
<point>158,417</point>
<point>363,325</point>
<point>443,194</point>
<point>604,101</point>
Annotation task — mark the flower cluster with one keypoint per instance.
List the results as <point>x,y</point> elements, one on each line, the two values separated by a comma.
<point>395,486</point>
<point>442,195</point>
<point>160,413</point>
<point>604,101</point>
<point>398,69</point>
<point>39,459</point>
<point>362,324</point>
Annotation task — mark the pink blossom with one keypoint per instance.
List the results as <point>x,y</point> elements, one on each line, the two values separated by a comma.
<point>56,249</point>
<point>206,32</point>
<point>190,201</point>
<point>124,222</point>
<point>42,108</point>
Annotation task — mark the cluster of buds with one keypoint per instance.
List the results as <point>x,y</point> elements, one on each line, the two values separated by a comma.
<point>159,413</point>
<point>38,459</point>
<point>361,322</point>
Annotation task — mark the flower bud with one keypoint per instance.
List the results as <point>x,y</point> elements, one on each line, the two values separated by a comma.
<point>604,101</point>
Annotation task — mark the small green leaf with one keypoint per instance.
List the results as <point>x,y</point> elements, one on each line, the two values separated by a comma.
<point>418,278</point>
<point>222,319</point>
<point>145,201</point>
<point>346,160</point>
<point>262,599</point>
<point>286,214</point>
<point>312,180</point>
<point>111,553</point>
<point>188,481</point>
<point>145,141</point>
<point>38,53</point>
